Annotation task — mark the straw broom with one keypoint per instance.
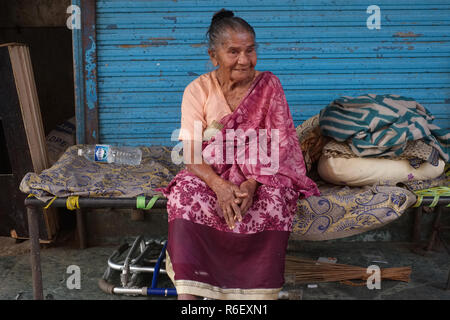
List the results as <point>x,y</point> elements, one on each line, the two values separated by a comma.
<point>304,270</point>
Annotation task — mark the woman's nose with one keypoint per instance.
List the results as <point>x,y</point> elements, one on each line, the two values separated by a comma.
<point>243,59</point>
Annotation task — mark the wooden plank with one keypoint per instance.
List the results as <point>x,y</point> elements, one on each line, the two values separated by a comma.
<point>29,105</point>
<point>25,140</point>
<point>31,115</point>
<point>38,135</point>
<point>19,156</point>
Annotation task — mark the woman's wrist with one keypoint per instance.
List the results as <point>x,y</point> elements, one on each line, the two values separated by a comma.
<point>253,182</point>
<point>251,185</point>
<point>205,173</point>
<point>215,183</point>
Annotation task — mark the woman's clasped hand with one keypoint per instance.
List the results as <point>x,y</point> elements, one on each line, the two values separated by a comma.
<point>233,200</point>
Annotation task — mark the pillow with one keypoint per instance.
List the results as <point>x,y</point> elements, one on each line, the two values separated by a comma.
<point>369,171</point>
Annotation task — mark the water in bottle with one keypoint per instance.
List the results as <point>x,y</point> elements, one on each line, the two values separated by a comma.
<point>111,154</point>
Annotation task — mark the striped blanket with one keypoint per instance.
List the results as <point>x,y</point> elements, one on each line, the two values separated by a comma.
<point>381,125</point>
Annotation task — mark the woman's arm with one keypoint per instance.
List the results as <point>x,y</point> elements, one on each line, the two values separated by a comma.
<point>228,194</point>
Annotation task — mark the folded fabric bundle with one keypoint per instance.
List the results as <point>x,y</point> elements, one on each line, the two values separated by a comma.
<point>374,140</point>
<point>381,125</point>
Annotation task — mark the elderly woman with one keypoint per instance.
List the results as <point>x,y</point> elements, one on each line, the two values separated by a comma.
<point>231,209</point>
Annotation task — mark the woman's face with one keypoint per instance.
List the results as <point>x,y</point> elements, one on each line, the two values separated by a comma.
<point>235,56</point>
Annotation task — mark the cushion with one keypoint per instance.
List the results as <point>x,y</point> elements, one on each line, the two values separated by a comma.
<point>369,171</point>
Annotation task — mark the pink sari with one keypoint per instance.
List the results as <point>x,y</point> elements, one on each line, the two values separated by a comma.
<point>205,257</point>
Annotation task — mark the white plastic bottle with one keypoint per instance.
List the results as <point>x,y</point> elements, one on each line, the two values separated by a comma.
<point>111,154</point>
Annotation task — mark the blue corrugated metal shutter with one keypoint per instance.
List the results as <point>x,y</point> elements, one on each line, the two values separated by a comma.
<point>148,51</point>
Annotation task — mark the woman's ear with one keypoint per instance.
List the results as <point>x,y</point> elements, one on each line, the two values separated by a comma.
<point>212,56</point>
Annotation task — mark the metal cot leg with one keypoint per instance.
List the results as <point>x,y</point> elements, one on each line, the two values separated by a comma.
<point>417,222</point>
<point>35,254</point>
<point>448,281</point>
<point>435,230</point>
<point>81,229</point>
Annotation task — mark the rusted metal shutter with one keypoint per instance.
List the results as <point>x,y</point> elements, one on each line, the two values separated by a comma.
<point>148,51</point>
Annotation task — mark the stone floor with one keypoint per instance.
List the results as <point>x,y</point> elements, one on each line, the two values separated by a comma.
<point>428,278</point>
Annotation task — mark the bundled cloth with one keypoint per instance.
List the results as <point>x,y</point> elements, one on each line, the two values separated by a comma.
<point>382,125</point>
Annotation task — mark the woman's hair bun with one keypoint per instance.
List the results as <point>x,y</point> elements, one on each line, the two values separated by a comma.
<point>219,15</point>
<point>221,21</point>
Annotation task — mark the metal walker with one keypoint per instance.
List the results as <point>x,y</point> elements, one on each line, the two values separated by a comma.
<point>137,261</point>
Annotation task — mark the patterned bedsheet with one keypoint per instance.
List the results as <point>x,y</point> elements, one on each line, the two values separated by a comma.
<point>344,211</point>
<point>75,175</point>
<point>339,211</point>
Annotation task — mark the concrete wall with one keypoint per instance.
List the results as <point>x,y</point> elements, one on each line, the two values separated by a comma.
<point>33,13</point>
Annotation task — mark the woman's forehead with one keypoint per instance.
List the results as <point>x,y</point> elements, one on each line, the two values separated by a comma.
<point>233,38</point>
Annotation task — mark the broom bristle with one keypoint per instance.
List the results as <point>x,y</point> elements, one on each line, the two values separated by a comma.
<point>304,270</point>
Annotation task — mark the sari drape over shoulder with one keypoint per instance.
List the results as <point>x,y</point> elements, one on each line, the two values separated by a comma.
<point>258,140</point>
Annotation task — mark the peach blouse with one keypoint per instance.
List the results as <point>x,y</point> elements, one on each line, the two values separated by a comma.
<point>203,101</point>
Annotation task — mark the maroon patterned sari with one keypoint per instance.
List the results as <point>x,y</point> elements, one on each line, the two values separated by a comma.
<point>205,257</point>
